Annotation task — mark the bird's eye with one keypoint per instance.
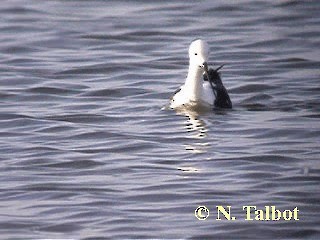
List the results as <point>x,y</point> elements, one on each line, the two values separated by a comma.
<point>196,54</point>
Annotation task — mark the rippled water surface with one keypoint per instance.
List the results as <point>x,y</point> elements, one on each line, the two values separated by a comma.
<point>89,150</point>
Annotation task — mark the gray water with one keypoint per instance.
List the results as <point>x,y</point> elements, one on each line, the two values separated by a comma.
<point>89,149</point>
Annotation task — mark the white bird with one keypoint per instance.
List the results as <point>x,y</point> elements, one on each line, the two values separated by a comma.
<point>202,87</point>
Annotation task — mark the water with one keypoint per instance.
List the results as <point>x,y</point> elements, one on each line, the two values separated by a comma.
<point>88,150</point>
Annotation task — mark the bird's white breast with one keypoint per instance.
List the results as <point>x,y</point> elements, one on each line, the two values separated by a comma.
<point>185,96</point>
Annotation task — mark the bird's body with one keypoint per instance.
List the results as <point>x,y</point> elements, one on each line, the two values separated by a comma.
<point>202,86</point>
<point>186,96</point>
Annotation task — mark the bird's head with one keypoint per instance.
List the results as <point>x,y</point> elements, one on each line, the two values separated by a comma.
<point>199,53</point>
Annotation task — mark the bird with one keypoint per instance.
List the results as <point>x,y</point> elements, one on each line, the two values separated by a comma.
<point>203,86</point>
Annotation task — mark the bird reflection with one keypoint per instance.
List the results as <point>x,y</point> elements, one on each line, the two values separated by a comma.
<point>197,127</point>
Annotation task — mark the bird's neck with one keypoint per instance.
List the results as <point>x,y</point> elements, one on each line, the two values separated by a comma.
<point>193,82</point>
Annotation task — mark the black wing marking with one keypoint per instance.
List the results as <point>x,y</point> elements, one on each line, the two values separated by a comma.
<point>222,97</point>
<point>175,92</point>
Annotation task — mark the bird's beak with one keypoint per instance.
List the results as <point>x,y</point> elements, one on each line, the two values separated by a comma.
<point>206,70</point>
